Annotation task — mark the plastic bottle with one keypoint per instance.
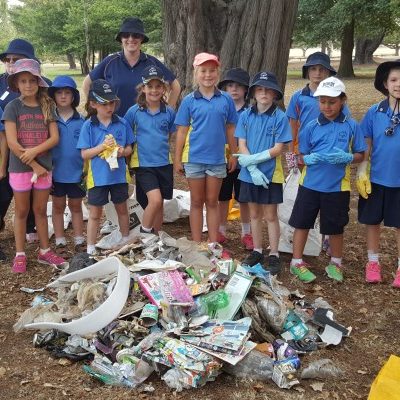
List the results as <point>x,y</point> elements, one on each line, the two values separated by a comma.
<point>214,301</point>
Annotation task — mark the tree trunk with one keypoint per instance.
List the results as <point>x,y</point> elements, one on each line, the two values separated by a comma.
<point>71,61</point>
<point>346,52</point>
<point>85,68</point>
<point>254,35</point>
<point>396,50</point>
<point>324,46</point>
<point>365,48</point>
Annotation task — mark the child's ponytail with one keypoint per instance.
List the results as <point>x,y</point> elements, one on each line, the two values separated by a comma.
<point>90,111</point>
<point>46,104</point>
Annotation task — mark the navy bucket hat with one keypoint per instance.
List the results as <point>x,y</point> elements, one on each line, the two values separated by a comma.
<point>21,47</point>
<point>267,80</point>
<point>381,75</point>
<point>318,58</point>
<point>237,75</point>
<point>132,25</point>
<point>65,82</point>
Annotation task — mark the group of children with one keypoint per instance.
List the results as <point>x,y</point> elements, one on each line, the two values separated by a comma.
<point>230,136</point>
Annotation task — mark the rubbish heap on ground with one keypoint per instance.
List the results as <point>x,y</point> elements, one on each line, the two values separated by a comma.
<point>179,309</point>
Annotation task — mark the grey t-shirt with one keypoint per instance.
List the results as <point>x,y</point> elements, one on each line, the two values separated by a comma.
<point>31,131</point>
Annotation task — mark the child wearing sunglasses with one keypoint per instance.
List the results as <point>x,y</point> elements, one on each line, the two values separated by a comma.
<point>378,179</point>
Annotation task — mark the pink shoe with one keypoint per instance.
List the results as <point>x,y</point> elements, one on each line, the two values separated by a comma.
<point>19,265</point>
<point>396,282</point>
<point>50,258</point>
<point>247,240</point>
<point>221,238</point>
<point>373,272</point>
<point>226,255</point>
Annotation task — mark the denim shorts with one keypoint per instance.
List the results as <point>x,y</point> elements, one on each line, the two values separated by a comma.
<point>195,170</point>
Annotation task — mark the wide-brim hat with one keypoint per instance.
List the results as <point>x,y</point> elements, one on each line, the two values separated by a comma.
<point>65,82</point>
<point>101,92</point>
<point>21,47</point>
<point>132,25</point>
<point>237,75</point>
<point>26,65</point>
<point>381,75</point>
<point>267,80</point>
<point>318,58</point>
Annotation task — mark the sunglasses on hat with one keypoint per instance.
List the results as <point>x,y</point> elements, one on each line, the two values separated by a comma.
<point>126,35</point>
<point>395,121</point>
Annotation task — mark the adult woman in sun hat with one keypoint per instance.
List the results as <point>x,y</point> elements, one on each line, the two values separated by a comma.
<point>16,50</point>
<point>123,70</point>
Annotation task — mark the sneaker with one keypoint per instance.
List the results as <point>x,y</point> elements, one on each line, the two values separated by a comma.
<point>396,282</point>
<point>107,227</point>
<point>50,258</point>
<point>373,272</point>
<point>221,238</point>
<point>273,265</point>
<point>334,272</point>
<point>141,230</point>
<point>247,240</point>
<point>19,265</point>
<point>253,258</point>
<point>302,272</point>
<point>225,255</point>
<point>32,237</point>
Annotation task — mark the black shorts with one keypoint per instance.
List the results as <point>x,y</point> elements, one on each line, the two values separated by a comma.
<point>250,193</point>
<point>150,178</point>
<point>99,195</point>
<point>333,209</point>
<point>383,204</point>
<point>230,184</point>
<point>72,190</point>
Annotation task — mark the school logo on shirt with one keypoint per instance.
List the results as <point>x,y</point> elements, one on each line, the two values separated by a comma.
<point>76,133</point>
<point>342,136</point>
<point>164,126</point>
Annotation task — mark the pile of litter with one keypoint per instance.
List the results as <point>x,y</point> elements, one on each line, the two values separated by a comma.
<point>174,307</point>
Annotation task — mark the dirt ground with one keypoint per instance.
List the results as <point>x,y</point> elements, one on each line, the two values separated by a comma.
<point>30,373</point>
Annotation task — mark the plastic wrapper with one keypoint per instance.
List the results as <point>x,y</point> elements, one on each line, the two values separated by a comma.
<point>322,369</point>
<point>273,312</point>
<point>180,379</point>
<point>191,256</point>
<point>255,365</point>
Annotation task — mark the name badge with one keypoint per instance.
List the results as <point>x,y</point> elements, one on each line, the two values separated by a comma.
<point>4,95</point>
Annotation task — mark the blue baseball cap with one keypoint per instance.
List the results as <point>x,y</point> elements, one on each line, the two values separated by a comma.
<point>152,72</point>
<point>21,47</point>
<point>267,80</point>
<point>65,82</point>
<point>101,92</point>
<point>318,58</point>
<point>237,75</point>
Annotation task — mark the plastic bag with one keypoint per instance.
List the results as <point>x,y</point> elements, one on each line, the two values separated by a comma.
<point>191,256</point>
<point>255,365</point>
<point>322,369</point>
<point>386,384</point>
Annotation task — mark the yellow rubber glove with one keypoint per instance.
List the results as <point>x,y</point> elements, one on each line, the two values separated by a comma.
<point>362,181</point>
<point>108,150</point>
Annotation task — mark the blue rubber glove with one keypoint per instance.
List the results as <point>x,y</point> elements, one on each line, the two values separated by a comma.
<point>252,159</point>
<point>257,176</point>
<point>312,159</point>
<point>338,157</point>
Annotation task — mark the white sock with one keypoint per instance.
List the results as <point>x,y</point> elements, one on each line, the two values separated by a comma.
<point>44,251</point>
<point>246,228</point>
<point>296,261</point>
<point>19,253</point>
<point>258,250</point>
<point>90,249</point>
<point>79,240</point>
<point>61,240</point>
<point>336,260</point>
<point>147,230</point>
<point>373,257</point>
<point>222,229</point>
<point>272,253</point>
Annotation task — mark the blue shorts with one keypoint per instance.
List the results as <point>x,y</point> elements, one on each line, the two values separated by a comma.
<point>333,209</point>
<point>150,178</point>
<point>72,190</point>
<point>230,184</point>
<point>98,195</point>
<point>383,204</point>
<point>251,193</point>
<point>195,170</point>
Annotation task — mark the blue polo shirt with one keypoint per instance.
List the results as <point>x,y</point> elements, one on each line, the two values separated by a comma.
<point>151,133</point>
<point>6,95</point>
<point>124,79</point>
<point>262,132</point>
<point>67,159</point>
<point>92,134</point>
<point>2,129</point>
<point>207,118</point>
<point>321,136</point>
<point>385,152</point>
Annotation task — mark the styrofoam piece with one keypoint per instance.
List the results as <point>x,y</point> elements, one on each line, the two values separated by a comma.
<point>106,312</point>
